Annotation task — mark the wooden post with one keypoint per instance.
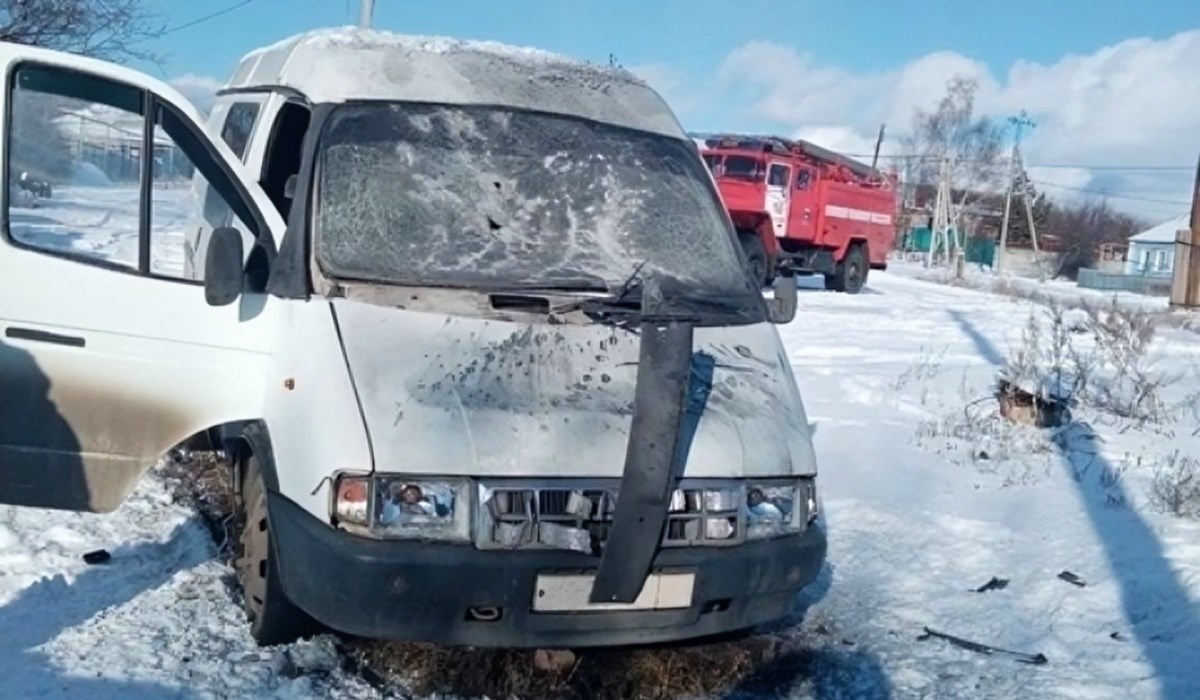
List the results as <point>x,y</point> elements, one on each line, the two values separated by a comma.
<point>1185,287</point>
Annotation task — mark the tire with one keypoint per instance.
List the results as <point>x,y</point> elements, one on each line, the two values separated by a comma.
<point>273,618</point>
<point>851,272</point>
<point>758,263</point>
<point>783,306</point>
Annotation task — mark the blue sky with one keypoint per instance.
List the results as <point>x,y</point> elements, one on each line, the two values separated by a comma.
<point>694,35</point>
<point>830,70</point>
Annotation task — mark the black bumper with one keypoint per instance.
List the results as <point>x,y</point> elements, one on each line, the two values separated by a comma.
<point>807,260</point>
<point>421,591</point>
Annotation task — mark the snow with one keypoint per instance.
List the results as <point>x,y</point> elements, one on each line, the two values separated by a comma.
<point>101,222</point>
<point>156,621</point>
<point>1062,291</point>
<point>88,175</point>
<point>917,519</point>
<point>912,531</point>
<point>348,63</point>
<point>1162,233</point>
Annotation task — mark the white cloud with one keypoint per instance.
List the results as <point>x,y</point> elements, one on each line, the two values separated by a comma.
<point>669,83</point>
<point>201,90</point>
<point>842,139</point>
<point>1129,104</point>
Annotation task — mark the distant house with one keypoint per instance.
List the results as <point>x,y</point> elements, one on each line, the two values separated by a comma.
<point>1152,252</point>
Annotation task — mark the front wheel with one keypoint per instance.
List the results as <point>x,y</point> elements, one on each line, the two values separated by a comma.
<point>273,618</point>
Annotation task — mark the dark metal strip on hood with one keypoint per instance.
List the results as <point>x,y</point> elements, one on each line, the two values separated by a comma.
<point>672,390</point>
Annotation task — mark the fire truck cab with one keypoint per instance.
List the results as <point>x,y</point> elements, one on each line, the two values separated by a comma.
<point>801,209</point>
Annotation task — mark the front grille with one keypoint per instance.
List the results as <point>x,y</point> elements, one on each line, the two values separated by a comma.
<point>578,517</point>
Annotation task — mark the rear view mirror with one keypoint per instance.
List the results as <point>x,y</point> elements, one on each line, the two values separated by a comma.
<point>782,308</point>
<point>223,278</point>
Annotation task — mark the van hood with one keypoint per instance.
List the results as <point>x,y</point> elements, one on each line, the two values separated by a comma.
<point>452,395</point>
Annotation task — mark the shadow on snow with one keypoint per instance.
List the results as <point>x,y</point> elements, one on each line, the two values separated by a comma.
<point>1156,604</point>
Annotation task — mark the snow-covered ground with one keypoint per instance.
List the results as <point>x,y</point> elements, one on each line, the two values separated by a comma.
<point>1063,291</point>
<point>917,518</point>
<point>916,524</point>
<point>99,222</point>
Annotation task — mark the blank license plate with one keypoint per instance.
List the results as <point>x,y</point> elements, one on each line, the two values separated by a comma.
<point>569,593</point>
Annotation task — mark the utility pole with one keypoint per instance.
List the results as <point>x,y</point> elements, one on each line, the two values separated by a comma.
<point>1185,287</point>
<point>1033,236</point>
<point>1020,122</point>
<point>878,143</point>
<point>941,214</point>
<point>366,12</point>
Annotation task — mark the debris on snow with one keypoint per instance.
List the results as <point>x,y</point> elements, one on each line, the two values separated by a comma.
<point>317,656</point>
<point>1072,579</point>
<point>1023,657</point>
<point>1045,404</point>
<point>995,584</point>
<point>99,556</point>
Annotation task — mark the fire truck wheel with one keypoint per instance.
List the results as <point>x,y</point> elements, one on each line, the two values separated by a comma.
<point>851,272</point>
<point>757,262</point>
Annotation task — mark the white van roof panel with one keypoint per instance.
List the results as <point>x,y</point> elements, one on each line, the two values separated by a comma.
<point>337,65</point>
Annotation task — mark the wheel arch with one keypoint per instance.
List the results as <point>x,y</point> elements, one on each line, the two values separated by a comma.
<point>242,439</point>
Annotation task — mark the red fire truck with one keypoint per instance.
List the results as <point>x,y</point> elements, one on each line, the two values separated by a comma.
<point>802,209</point>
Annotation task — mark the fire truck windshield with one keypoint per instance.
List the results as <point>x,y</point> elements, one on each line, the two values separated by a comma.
<point>485,196</point>
<point>736,167</point>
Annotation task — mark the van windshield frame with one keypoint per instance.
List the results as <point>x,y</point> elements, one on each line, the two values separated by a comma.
<point>487,197</point>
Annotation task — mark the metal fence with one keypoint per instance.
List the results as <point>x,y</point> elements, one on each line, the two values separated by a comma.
<point>1153,285</point>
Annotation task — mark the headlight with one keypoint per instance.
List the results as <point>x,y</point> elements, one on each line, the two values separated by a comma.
<point>397,506</point>
<point>808,489</point>
<point>774,508</point>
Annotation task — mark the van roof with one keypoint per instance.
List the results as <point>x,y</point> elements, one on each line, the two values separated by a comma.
<point>349,63</point>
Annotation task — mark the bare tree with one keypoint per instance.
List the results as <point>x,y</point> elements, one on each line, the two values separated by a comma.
<point>1080,230</point>
<point>972,146</point>
<point>114,30</point>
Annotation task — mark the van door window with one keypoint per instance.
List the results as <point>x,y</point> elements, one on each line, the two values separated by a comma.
<point>239,124</point>
<point>175,193</point>
<point>92,179</point>
<point>75,166</point>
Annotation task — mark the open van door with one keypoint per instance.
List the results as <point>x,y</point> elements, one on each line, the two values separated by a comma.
<point>108,356</point>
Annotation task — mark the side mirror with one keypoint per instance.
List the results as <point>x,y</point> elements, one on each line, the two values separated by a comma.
<point>223,271</point>
<point>289,187</point>
<point>782,309</point>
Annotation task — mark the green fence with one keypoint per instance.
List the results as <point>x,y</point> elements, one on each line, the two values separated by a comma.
<point>981,251</point>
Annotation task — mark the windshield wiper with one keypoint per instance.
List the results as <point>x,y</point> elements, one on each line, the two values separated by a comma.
<point>627,305</point>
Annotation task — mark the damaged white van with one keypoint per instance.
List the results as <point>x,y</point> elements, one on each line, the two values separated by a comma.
<point>468,322</point>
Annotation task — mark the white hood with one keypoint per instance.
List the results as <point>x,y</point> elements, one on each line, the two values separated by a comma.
<point>453,395</point>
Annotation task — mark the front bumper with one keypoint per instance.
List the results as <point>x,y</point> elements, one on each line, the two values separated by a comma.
<point>422,591</point>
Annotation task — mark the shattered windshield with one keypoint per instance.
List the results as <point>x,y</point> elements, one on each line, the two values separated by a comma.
<point>742,168</point>
<point>490,197</point>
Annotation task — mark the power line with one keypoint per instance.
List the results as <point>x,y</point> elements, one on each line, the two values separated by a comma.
<point>1055,166</point>
<point>205,18</point>
<point>1111,194</point>
<point>1130,168</point>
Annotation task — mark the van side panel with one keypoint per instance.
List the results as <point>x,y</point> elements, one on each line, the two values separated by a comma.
<point>311,410</point>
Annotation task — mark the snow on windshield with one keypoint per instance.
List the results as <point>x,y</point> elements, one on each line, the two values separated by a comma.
<point>486,196</point>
